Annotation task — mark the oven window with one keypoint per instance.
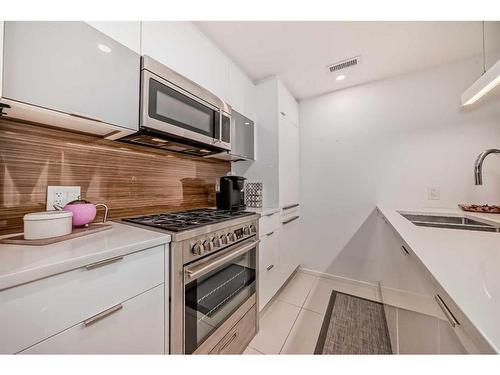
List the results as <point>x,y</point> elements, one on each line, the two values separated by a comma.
<point>213,297</point>
<point>169,105</point>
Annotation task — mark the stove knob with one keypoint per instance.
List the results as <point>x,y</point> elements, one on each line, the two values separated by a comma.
<point>217,241</point>
<point>224,239</point>
<point>231,237</point>
<point>246,231</point>
<point>253,229</point>
<point>197,248</point>
<point>208,245</point>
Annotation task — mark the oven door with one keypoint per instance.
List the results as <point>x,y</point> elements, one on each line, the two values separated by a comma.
<point>169,109</point>
<point>216,287</point>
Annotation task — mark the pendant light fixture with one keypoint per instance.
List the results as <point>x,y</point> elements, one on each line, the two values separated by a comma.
<point>487,82</point>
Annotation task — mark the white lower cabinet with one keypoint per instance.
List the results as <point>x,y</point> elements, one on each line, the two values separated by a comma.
<point>289,245</point>
<point>121,299</point>
<point>415,333</point>
<point>448,340</point>
<point>269,267</point>
<point>135,326</point>
<point>418,333</point>
<point>417,323</point>
<point>278,252</point>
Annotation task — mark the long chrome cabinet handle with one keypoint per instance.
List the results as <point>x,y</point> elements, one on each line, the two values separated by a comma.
<point>194,272</point>
<point>405,250</point>
<point>269,234</point>
<point>102,315</point>
<point>85,116</point>
<point>291,206</point>
<point>453,321</point>
<point>292,219</point>
<point>103,263</point>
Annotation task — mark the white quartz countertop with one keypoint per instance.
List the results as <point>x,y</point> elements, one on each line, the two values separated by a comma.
<point>20,264</point>
<point>263,210</point>
<point>465,263</point>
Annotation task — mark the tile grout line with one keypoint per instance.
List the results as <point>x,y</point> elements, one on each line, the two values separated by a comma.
<point>257,350</point>
<point>295,321</point>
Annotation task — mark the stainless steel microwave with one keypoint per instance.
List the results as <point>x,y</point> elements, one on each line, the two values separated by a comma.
<point>179,115</point>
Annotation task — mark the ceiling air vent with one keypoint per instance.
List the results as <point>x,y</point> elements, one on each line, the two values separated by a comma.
<point>344,64</point>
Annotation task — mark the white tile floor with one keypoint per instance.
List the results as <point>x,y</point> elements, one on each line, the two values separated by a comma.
<point>291,324</point>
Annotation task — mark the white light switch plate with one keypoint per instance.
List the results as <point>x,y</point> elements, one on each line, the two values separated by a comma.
<point>433,193</point>
<point>61,195</point>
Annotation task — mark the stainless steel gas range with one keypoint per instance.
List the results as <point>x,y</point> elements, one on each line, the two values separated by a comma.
<point>213,278</point>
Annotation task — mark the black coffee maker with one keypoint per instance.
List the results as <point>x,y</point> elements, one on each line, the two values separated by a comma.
<point>231,196</point>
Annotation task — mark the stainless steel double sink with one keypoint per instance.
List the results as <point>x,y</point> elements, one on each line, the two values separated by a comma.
<point>449,222</point>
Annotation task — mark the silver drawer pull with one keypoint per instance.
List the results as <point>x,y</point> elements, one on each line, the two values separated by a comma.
<point>103,263</point>
<point>405,250</point>
<point>270,267</point>
<point>102,315</point>
<point>292,219</point>
<point>271,214</point>
<point>453,321</point>
<point>291,206</point>
<point>233,337</point>
<point>270,233</point>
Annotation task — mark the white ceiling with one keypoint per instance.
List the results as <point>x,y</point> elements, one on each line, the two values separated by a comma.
<point>300,51</point>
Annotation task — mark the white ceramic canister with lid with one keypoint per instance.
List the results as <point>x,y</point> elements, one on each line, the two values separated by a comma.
<point>47,224</point>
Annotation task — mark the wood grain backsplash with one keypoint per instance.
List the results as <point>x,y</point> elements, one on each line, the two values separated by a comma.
<point>130,179</point>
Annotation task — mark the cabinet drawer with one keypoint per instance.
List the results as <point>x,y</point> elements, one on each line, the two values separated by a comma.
<point>289,211</point>
<point>240,335</point>
<point>269,268</point>
<point>32,312</point>
<point>268,223</point>
<point>135,326</point>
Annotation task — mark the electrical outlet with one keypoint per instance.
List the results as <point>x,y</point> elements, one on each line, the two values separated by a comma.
<point>61,195</point>
<point>433,193</point>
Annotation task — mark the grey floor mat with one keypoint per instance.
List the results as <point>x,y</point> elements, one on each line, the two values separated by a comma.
<point>353,325</point>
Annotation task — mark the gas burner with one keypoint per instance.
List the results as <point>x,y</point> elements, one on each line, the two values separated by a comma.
<point>184,220</point>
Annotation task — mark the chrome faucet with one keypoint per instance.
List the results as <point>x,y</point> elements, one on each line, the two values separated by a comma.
<point>478,165</point>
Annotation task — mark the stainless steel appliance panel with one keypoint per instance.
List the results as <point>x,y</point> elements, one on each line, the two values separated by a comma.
<point>175,106</point>
<point>243,135</point>
<point>72,68</point>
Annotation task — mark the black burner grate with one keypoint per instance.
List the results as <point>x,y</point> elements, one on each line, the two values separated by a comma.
<point>184,220</point>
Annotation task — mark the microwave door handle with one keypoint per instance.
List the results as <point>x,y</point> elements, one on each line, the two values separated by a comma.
<point>220,126</point>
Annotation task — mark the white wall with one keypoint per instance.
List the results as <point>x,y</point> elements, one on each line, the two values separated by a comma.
<point>385,143</point>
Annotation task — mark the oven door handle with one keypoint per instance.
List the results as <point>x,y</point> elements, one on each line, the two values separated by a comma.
<point>195,272</point>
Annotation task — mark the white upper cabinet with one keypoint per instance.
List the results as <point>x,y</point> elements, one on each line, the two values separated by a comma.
<point>241,92</point>
<point>127,33</point>
<point>287,105</point>
<point>289,163</point>
<point>277,163</point>
<point>73,69</point>
<point>289,147</point>
<point>182,47</point>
